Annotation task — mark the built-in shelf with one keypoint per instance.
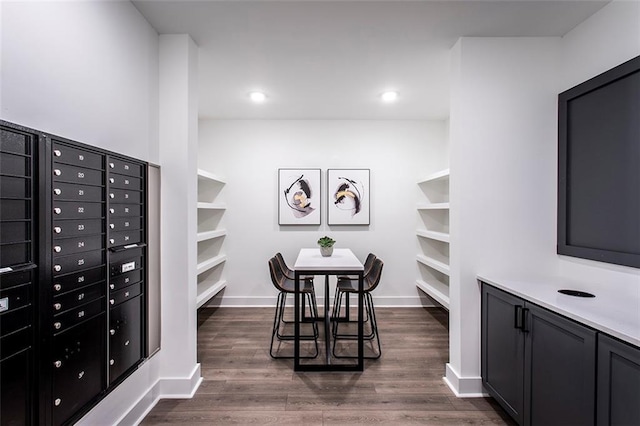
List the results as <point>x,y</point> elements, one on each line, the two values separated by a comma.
<point>440,236</point>
<point>212,206</point>
<point>433,206</point>
<point>211,263</point>
<point>204,175</point>
<point>210,211</point>
<point>433,263</point>
<point>209,235</point>
<point>206,292</point>
<point>435,290</point>
<point>434,238</point>
<point>442,174</point>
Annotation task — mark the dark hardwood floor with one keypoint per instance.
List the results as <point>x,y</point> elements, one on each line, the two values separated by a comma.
<point>243,385</point>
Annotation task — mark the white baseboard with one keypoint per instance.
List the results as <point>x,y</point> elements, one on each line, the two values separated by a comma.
<point>463,387</point>
<point>270,301</point>
<point>164,388</point>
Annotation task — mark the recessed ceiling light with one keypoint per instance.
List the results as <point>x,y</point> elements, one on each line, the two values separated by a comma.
<point>389,96</point>
<point>257,97</point>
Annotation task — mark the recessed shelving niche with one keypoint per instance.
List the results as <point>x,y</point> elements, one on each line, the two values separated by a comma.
<point>433,236</point>
<point>210,237</point>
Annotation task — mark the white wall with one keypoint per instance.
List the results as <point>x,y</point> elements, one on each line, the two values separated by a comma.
<point>502,180</point>
<point>248,154</point>
<point>84,70</point>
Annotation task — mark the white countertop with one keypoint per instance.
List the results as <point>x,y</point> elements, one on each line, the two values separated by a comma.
<point>615,310</point>
<point>342,259</point>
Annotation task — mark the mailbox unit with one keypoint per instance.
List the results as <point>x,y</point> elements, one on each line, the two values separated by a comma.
<point>73,275</point>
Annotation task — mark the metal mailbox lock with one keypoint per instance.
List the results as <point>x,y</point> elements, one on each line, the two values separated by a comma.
<point>57,230</point>
<point>57,306</point>
<point>57,152</point>
<point>111,362</point>
<point>57,268</point>
<point>80,375</point>
<point>57,287</point>
<point>57,325</point>
<point>112,331</point>
<point>57,210</point>
<point>57,249</point>
<point>57,364</point>
<point>57,172</point>
<point>57,402</point>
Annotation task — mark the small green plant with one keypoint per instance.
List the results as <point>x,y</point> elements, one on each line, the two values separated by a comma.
<point>326,242</point>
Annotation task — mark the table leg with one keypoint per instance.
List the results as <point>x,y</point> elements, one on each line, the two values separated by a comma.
<point>327,320</point>
<point>360,322</point>
<point>296,325</point>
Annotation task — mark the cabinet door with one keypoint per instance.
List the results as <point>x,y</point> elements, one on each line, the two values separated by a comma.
<point>618,395</point>
<point>559,370</point>
<point>503,349</point>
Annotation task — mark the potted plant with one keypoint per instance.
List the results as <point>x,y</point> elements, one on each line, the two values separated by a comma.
<point>326,245</point>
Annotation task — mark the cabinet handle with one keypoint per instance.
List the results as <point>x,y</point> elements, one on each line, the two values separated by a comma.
<point>518,317</point>
<point>525,317</point>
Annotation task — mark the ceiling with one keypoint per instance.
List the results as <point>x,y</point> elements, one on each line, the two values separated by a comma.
<point>332,59</point>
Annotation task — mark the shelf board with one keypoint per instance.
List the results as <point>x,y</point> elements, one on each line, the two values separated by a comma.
<point>433,263</point>
<point>440,236</point>
<point>209,235</point>
<point>212,206</point>
<point>211,263</point>
<point>205,294</point>
<point>206,176</point>
<point>442,174</point>
<point>433,206</point>
<point>434,293</point>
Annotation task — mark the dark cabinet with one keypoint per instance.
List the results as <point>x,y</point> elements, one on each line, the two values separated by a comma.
<point>537,364</point>
<point>502,350</point>
<point>618,398</point>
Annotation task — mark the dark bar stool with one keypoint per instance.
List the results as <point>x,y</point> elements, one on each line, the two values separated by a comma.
<point>286,286</point>
<point>346,286</point>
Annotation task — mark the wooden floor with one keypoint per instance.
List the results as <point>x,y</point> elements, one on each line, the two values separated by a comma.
<point>243,385</point>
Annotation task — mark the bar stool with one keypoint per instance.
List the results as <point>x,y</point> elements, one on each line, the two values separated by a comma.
<point>304,280</point>
<point>368,264</point>
<point>347,285</point>
<point>286,286</point>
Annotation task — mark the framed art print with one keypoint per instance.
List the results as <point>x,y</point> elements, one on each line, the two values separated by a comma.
<point>299,196</point>
<point>348,196</point>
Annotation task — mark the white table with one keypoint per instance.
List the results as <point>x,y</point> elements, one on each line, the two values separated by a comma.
<point>342,262</point>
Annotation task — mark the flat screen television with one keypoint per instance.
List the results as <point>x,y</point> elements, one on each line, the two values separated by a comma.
<point>599,167</point>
